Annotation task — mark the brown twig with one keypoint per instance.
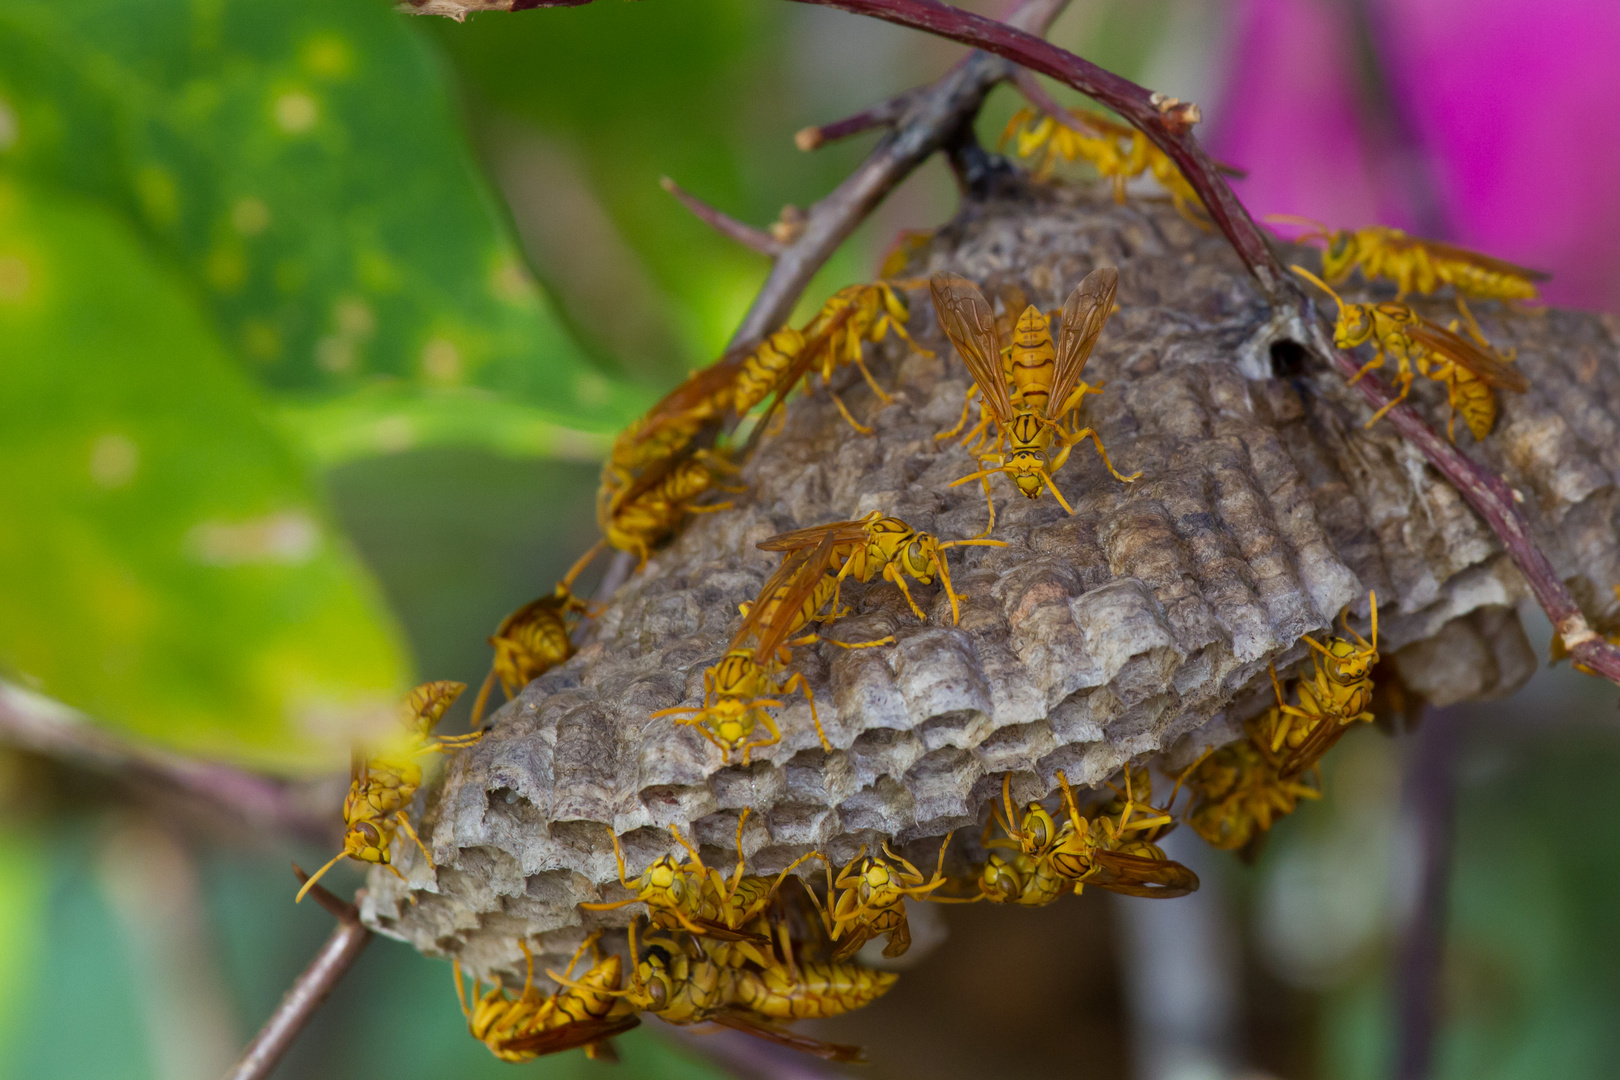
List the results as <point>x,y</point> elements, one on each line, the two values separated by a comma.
<point>931,117</point>
<point>309,990</point>
<point>1166,123</point>
<point>883,114</point>
<point>43,726</point>
<point>749,237</point>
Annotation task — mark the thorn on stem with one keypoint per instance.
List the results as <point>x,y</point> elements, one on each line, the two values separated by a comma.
<point>766,243</point>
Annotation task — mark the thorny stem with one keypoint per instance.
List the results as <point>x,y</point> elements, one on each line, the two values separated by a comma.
<point>309,991</point>
<point>883,114</point>
<point>40,725</point>
<point>1486,492</point>
<point>749,237</point>
<point>932,116</point>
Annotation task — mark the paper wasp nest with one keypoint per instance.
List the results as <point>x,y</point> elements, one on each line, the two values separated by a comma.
<point>1143,623</point>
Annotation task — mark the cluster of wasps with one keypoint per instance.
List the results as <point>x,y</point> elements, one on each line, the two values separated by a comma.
<point>1457,355</point>
<point>1238,791</point>
<point>752,952</point>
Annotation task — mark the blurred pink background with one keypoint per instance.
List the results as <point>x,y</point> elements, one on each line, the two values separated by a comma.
<point>1490,123</point>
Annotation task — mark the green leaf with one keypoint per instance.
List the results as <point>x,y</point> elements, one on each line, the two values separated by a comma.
<point>300,162</point>
<point>164,565</point>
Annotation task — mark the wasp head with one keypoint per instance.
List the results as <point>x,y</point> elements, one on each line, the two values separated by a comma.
<point>366,842</point>
<point>663,883</point>
<point>1037,831</point>
<point>1000,881</point>
<point>879,884</point>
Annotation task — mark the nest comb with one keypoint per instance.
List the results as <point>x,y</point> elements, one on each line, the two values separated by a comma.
<point>1144,623</point>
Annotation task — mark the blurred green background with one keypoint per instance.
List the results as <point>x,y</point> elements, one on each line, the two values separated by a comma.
<point>314,318</point>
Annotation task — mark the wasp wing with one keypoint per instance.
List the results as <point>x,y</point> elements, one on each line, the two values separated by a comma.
<point>761,606</point>
<point>570,1035</point>
<point>1328,731</point>
<point>1084,314</point>
<point>1454,346</point>
<point>738,1020</point>
<point>799,587</point>
<point>844,532</point>
<point>813,347</point>
<point>1138,875</point>
<point>1475,258</point>
<point>969,322</point>
<point>699,387</point>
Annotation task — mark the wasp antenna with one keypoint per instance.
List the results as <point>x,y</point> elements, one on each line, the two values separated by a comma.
<point>1317,228</point>
<point>310,884</point>
<point>1372,597</point>
<point>1318,282</point>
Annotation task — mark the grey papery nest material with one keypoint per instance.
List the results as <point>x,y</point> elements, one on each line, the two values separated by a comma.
<point>1144,623</point>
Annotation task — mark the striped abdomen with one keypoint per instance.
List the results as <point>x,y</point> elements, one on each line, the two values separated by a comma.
<point>821,990</point>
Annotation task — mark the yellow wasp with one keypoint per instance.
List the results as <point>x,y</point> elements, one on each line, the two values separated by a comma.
<point>868,897</point>
<point>1046,383</point>
<point>1117,151</point>
<point>1237,793</point>
<point>738,689</point>
<point>852,316</point>
<point>1415,265</point>
<point>1338,694</point>
<point>637,516</point>
<point>1100,851</point>
<point>532,640</point>
<point>881,547</point>
<point>700,900</point>
<point>381,786</point>
<point>583,1012</point>
<point>677,982</point>
<point>1422,347</point>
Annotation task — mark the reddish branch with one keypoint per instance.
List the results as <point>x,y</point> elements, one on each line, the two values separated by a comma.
<point>925,121</point>
<point>1167,125</point>
<point>884,114</point>
<point>336,957</point>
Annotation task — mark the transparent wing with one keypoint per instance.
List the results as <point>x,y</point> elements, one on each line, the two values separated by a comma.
<point>698,387</point>
<point>737,1020</point>
<point>1461,254</point>
<point>1471,356</point>
<point>1084,314</point>
<point>970,323</point>
<point>1137,875</point>
<point>806,576</point>
<point>756,614</point>
<point>568,1036</point>
<point>843,532</point>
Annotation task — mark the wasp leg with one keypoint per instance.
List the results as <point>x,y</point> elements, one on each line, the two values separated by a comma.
<point>967,404</point>
<point>801,683</point>
<point>1090,433</point>
<point>776,732</point>
<point>405,823</point>
<point>843,411</point>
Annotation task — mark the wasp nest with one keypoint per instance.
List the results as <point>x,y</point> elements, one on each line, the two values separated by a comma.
<point>1144,623</point>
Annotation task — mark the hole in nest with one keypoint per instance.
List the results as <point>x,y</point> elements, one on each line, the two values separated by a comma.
<point>1287,358</point>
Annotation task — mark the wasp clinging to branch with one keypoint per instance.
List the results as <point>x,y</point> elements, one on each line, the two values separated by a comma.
<point>1419,346</point>
<point>1415,265</point>
<point>1030,398</point>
